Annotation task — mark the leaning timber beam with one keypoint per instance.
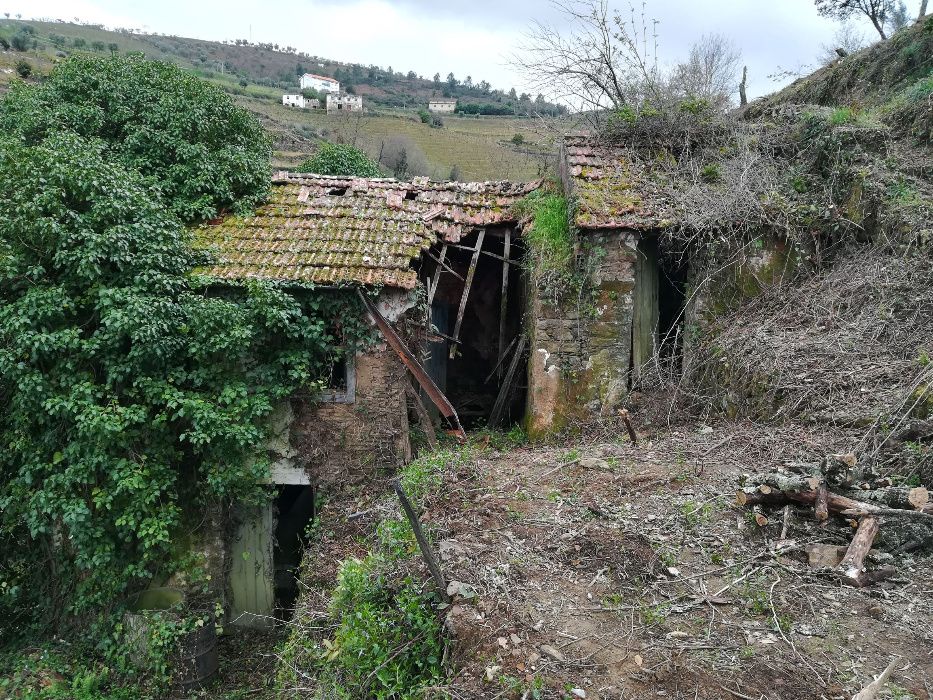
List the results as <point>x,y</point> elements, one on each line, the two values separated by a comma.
<point>504,301</point>
<point>466,291</point>
<point>411,362</point>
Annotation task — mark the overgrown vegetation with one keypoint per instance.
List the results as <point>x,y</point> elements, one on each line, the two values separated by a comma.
<point>382,637</point>
<point>340,159</point>
<point>130,394</point>
<point>185,137</point>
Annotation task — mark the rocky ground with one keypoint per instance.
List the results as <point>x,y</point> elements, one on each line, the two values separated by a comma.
<point>615,571</point>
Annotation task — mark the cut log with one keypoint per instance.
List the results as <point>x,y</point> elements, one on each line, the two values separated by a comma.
<point>852,566</point>
<point>756,497</point>
<point>914,498</point>
<point>821,505</point>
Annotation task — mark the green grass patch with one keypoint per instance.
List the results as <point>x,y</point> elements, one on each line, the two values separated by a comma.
<point>549,238</point>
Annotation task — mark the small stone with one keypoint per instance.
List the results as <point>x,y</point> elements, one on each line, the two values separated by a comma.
<point>578,692</point>
<point>503,642</point>
<point>461,589</point>
<point>515,638</point>
<point>678,634</point>
<point>491,672</point>
<point>638,660</point>
<point>548,650</point>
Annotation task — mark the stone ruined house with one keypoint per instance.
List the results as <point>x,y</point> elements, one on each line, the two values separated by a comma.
<point>344,103</point>
<point>442,105</point>
<point>641,304</point>
<point>463,335</point>
<point>447,251</point>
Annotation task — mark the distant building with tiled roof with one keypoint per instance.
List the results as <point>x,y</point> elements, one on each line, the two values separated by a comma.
<point>321,83</point>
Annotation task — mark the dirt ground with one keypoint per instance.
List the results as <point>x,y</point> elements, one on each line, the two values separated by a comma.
<point>615,571</point>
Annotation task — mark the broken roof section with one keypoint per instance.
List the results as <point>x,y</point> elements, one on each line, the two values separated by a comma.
<point>341,230</point>
<point>610,189</point>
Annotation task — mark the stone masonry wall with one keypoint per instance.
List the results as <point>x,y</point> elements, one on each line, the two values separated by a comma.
<point>341,443</point>
<point>581,350</point>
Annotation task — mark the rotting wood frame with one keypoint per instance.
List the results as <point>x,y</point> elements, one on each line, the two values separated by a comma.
<point>474,317</point>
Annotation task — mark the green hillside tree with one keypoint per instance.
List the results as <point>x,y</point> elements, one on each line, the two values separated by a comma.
<point>340,159</point>
<point>186,137</point>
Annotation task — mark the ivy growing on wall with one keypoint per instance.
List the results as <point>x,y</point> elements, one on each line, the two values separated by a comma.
<point>124,381</point>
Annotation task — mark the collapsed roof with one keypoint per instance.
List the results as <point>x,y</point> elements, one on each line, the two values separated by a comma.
<point>320,230</point>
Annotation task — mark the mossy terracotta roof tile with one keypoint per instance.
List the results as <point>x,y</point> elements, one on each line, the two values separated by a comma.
<point>609,189</point>
<point>337,230</point>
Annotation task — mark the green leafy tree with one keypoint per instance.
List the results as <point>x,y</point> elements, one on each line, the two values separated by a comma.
<point>128,393</point>
<point>187,137</point>
<point>340,159</point>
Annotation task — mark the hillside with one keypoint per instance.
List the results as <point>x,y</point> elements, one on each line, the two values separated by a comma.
<point>466,147</point>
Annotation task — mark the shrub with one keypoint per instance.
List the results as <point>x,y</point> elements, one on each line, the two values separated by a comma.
<point>128,392</point>
<point>340,159</point>
<point>518,139</point>
<point>425,116</point>
<point>4,44</point>
<point>23,69</point>
<point>842,115</point>
<point>79,43</point>
<point>185,136</point>
<point>711,172</point>
<point>376,623</point>
<point>20,42</point>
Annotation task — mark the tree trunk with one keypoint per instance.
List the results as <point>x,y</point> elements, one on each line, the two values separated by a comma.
<point>743,97</point>
<point>878,26</point>
<point>923,10</point>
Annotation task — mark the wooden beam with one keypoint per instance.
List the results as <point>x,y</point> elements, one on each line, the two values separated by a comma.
<point>498,407</point>
<point>411,362</point>
<point>441,266</point>
<point>486,252</point>
<point>504,302</point>
<point>466,291</point>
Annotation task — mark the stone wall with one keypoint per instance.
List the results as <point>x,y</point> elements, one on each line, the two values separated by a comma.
<point>348,442</point>
<point>580,350</point>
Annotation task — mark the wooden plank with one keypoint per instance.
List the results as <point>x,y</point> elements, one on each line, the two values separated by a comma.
<point>646,309</point>
<point>498,408</point>
<point>466,290</point>
<point>437,274</point>
<point>504,302</point>
<point>252,601</point>
<point>426,552</point>
<point>486,252</point>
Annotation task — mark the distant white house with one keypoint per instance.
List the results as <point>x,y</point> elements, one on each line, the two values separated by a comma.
<point>293,101</point>
<point>345,103</point>
<point>321,83</point>
<point>443,105</point>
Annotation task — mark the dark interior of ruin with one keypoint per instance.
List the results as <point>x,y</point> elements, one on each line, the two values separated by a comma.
<point>488,334</point>
<point>672,300</point>
<point>294,511</point>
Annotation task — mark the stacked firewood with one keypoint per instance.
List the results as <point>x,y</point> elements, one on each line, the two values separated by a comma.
<point>904,512</point>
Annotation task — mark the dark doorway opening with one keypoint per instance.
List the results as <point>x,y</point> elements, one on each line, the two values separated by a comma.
<point>659,301</point>
<point>294,511</point>
<point>672,301</point>
<point>475,373</point>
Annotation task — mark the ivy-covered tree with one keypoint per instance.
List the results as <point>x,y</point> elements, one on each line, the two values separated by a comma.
<point>185,136</point>
<point>125,388</point>
<point>340,159</point>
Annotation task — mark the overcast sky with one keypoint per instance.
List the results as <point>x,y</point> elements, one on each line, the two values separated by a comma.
<point>468,37</point>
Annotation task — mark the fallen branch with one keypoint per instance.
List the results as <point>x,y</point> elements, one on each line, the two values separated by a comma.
<point>870,691</point>
<point>852,566</point>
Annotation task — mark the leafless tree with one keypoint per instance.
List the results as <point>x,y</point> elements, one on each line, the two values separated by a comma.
<point>596,58</point>
<point>923,10</point>
<point>848,38</point>
<point>711,70</point>
<point>878,11</point>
